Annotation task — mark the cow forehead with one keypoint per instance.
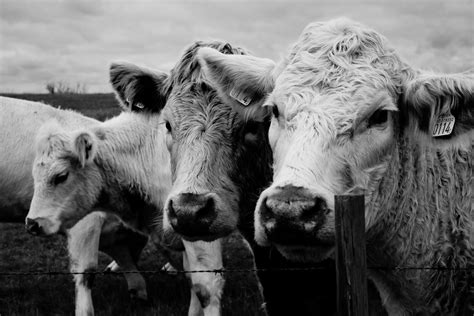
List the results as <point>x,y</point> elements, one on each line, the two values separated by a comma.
<point>337,46</point>
<point>192,103</point>
<point>194,109</point>
<point>52,147</point>
<point>57,158</point>
<point>335,68</point>
<point>46,167</point>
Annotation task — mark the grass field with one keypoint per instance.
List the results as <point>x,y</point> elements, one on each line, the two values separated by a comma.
<point>54,295</point>
<point>98,105</point>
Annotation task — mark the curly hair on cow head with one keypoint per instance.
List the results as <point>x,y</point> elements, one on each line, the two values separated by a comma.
<point>139,89</point>
<point>187,69</point>
<point>330,53</point>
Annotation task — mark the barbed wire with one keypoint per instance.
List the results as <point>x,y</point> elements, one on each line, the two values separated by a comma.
<point>216,271</point>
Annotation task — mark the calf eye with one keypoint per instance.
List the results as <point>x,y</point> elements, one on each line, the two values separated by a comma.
<point>379,117</point>
<point>168,126</point>
<point>60,178</point>
<point>275,111</point>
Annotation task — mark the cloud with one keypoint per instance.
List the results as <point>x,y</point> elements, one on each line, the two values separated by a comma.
<point>75,41</point>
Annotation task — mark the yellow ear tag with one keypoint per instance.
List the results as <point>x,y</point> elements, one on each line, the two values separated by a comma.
<point>444,125</point>
<point>242,98</point>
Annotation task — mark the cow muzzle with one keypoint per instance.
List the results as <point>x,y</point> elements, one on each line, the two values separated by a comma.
<point>293,216</point>
<point>41,226</point>
<point>192,215</point>
<point>33,227</point>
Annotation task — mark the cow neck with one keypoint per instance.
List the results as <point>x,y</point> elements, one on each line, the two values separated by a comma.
<point>253,175</point>
<point>423,203</point>
<point>134,157</point>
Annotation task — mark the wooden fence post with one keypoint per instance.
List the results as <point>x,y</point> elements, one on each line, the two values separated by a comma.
<point>351,261</point>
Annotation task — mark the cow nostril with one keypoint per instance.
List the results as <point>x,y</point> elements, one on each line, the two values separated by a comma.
<point>173,218</point>
<point>318,207</point>
<point>309,226</point>
<point>32,226</point>
<point>207,213</point>
<point>266,211</point>
<point>270,225</point>
<point>320,204</point>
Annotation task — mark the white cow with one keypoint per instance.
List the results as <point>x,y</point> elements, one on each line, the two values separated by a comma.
<point>20,122</point>
<point>349,115</point>
<point>99,224</point>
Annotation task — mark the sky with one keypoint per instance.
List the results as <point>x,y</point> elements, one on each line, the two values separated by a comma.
<point>74,41</point>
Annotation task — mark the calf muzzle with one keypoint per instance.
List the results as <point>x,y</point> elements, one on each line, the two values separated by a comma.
<point>192,215</point>
<point>33,227</point>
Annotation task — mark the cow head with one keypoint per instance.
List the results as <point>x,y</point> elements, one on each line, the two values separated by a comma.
<point>340,104</point>
<point>67,180</point>
<point>219,161</point>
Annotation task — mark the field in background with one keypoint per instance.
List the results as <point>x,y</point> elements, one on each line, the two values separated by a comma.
<point>54,295</point>
<point>98,105</point>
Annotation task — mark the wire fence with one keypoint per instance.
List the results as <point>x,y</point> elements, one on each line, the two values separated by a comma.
<point>216,271</point>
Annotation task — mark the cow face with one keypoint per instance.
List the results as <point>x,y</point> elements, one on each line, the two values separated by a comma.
<point>341,103</point>
<point>219,161</point>
<point>332,132</point>
<point>67,181</point>
<point>210,146</point>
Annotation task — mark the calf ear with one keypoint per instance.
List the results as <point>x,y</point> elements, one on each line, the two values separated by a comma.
<point>242,81</point>
<point>85,147</point>
<point>138,88</point>
<point>431,101</point>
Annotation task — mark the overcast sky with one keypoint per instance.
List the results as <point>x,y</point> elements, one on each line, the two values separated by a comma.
<point>74,41</point>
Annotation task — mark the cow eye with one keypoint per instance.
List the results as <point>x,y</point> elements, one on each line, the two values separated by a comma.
<point>60,178</point>
<point>379,117</point>
<point>275,111</point>
<point>168,126</point>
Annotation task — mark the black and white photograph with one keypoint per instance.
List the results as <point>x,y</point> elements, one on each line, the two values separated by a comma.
<point>237,157</point>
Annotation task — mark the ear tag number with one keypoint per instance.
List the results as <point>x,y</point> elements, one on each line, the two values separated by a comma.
<point>245,100</point>
<point>444,125</point>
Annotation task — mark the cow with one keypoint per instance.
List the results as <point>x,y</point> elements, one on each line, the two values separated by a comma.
<point>350,116</point>
<point>21,120</point>
<point>25,123</point>
<point>220,163</point>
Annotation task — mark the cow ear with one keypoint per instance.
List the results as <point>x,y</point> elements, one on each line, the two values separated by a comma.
<point>84,147</point>
<point>441,106</point>
<point>242,81</point>
<point>138,88</point>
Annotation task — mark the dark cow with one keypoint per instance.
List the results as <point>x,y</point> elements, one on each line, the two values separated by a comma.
<point>220,163</point>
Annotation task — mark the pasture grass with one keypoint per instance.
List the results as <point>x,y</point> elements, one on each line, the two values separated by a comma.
<point>97,105</point>
<point>54,294</point>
